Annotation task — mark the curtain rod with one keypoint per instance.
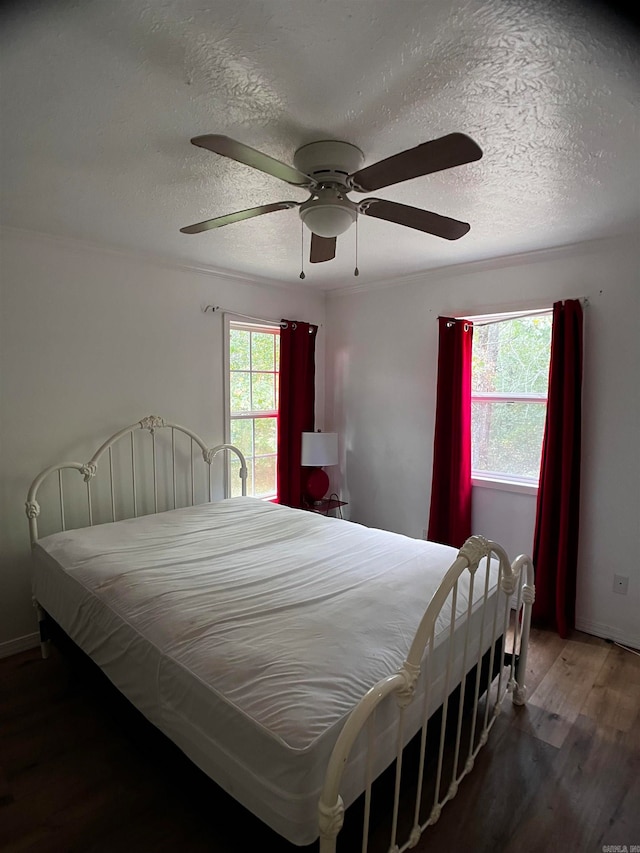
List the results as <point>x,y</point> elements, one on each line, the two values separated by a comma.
<point>216,309</point>
<point>500,317</point>
<point>510,315</point>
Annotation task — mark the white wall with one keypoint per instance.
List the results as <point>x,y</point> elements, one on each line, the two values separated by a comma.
<point>381,382</point>
<point>92,340</point>
<point>506,517</point>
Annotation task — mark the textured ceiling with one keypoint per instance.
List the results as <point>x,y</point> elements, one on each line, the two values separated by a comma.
<point>100,100</point>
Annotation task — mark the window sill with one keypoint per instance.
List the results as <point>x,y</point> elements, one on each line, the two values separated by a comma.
<point>505,485</point>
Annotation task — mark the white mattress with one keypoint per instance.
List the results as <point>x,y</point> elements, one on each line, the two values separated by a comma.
<point>247,631</point>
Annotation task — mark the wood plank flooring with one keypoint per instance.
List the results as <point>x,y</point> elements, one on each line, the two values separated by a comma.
<point>81,771</point>
<point>556,702</point>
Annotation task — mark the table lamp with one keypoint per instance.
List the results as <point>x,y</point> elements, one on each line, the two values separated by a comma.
<point>319,449</point>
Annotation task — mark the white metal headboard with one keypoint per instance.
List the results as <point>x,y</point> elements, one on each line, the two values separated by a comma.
<point>88,470</point>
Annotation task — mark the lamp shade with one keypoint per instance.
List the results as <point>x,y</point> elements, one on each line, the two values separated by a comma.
<point>319,449</point>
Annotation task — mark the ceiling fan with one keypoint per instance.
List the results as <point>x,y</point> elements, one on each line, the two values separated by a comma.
<point>330,170</point>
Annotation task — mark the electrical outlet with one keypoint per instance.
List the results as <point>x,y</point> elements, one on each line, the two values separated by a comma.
<point>620,584</point>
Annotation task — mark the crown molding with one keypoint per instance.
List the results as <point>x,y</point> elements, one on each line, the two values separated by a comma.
<point>436,273</point>
<point>595,245</point>
<point>79,244</point>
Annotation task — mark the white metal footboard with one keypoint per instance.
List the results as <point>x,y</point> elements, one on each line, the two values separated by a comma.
<point>133,481</point>
<point>516,583</point>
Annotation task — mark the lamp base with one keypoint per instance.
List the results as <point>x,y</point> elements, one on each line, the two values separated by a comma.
<point>315,485</point>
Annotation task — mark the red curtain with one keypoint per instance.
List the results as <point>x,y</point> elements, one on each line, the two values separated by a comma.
<point>450,513</point>
<point>555,547</point>
<point>296,405</point>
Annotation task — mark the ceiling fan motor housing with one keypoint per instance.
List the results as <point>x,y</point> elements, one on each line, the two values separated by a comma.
<point>329,162</point>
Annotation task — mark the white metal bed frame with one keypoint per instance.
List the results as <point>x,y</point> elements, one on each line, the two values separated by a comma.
<point>89,469</point>
<point>515,579</point>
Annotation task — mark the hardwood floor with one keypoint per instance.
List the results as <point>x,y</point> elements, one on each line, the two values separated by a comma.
<point>80,770</point>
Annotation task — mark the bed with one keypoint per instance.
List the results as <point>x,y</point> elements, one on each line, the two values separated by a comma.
<point>293,657</point>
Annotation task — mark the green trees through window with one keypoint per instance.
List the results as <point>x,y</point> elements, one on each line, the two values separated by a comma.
<point>510,375</point>
<point>254,353</point>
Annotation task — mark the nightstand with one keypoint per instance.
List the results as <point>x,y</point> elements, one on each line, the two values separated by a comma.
<point>325,506</point>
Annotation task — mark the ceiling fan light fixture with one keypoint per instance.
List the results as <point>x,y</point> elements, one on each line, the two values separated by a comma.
<point>328,220</point>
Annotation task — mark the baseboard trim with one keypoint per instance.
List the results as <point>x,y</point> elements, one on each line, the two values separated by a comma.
<point>607,632</point>
<point>20,644</point>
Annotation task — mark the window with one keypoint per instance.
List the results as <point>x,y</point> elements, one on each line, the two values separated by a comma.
<point>254,352</point>
<point>510,374</point>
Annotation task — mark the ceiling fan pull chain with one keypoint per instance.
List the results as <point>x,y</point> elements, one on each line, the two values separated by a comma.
<point>356,271</point>
<point>302,275</point>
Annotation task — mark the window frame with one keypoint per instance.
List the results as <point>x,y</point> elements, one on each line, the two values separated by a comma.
<point>495,479</point>
<point>240,322</point>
